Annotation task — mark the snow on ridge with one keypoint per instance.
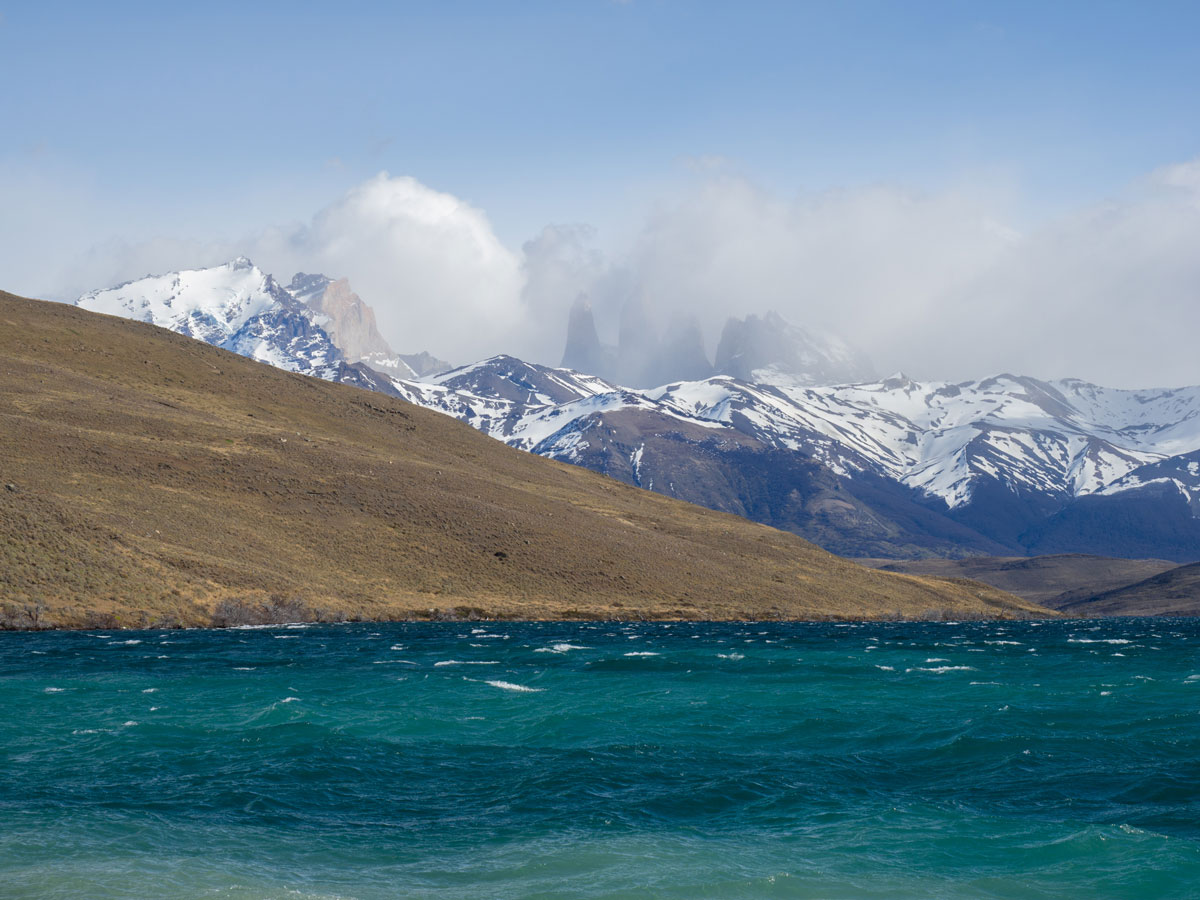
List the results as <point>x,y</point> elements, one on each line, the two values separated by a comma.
<point>211,304</point>
<point>939,437</point>
<point>1065,437</point>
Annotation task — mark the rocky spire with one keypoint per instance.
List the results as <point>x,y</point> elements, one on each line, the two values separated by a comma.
<point>584,352</point>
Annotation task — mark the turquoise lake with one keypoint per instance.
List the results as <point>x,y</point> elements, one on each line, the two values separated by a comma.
<point>604,760</point>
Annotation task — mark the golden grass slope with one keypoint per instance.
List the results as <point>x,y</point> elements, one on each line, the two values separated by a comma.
<point>148,478</point>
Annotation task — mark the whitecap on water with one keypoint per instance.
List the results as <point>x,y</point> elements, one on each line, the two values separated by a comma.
<point>1098,641</point>
<point>149,690</point>
<point>290,700</point>
<point>560,648</point>
<point>467,662</point>
<point>887,668</point>
<point>642,653</point>
<point>244,668</point>
<point>733,656</point>
<point>53,690</point>
<point>286,637</point>
<point>509,686</point>
<point>939,670</point>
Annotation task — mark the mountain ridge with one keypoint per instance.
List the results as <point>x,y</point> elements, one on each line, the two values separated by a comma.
<point>153,479</point>
<point>891,467</point>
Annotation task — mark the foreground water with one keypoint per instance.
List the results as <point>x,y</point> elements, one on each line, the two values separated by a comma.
<point>604,760</point>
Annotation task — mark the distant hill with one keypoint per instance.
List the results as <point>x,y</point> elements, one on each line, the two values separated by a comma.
<point>1175,592</point>
<point>149,478</point>
<point>1075,584</point>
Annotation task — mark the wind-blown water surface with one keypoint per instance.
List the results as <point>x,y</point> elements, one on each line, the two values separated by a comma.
<point>604,760</point>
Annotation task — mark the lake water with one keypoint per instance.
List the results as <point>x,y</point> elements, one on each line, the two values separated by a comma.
<point>599,760</point>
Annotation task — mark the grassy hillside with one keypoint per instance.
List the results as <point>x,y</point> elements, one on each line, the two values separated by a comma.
<point>152,479</point>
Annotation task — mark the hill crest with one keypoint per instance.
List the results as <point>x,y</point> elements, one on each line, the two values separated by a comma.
<point>158,480</point>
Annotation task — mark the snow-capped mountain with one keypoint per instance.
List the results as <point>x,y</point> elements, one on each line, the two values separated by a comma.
<point>235,306</point>
<point>240,308</point>
<point>997,456</point>
<point>1063,439</point>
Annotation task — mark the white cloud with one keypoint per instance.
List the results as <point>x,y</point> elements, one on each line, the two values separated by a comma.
<point>1110,293</point>
<point>427,262</point>
<point>870,263</point>
<point>938,283</point>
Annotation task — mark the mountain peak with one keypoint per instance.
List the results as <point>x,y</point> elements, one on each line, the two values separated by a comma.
<point>583,351</point>
<point>759,348</point>
<point>898,381</point>
<point>349,321</point>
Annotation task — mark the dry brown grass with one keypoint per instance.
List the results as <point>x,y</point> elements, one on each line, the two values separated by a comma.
<point>158,480</point>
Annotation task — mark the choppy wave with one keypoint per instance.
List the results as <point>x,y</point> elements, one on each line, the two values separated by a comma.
<point>509,686</point>
<point>737,760</point>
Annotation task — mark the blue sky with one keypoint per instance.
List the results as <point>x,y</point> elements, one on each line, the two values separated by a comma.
<point>131,122</point>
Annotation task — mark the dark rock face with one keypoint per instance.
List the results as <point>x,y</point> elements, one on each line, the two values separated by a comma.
<point>584,352</point>
<point>351,322</point>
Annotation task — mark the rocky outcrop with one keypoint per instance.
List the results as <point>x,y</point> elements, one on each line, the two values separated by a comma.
<point>351,323</point>
<point>584,352</point>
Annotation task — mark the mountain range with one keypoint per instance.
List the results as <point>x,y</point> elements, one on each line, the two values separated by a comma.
<point>786,426</point>
<point>147,479</point>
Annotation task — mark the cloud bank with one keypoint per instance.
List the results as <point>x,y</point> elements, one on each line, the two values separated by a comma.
<point>941,283</point>
<point>429,264</point>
